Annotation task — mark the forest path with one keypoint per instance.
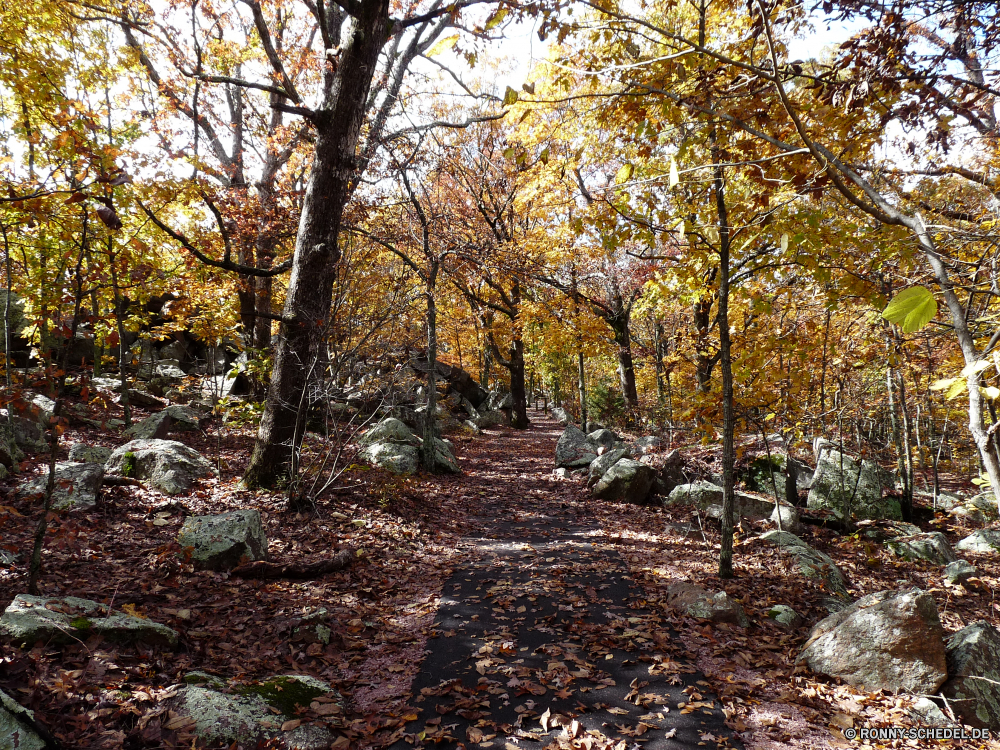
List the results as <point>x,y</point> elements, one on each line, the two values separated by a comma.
<point>544,621</point>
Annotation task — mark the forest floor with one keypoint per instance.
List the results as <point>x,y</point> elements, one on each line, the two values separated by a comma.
<point>445,560</point>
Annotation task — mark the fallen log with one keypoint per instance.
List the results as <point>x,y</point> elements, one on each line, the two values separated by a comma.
<point>306,571</point>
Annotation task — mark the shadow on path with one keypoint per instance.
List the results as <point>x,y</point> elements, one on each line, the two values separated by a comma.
<point>542,638</point>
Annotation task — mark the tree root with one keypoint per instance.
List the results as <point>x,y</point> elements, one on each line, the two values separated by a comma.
<point>317,569</point>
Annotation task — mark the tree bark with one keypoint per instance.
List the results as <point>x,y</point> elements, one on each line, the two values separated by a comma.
<point>581,375</point>
<point>430,418</point>
<point>518,394</point>
<point>726,365</point>
<point>626,367</point>
<point>307,304</point>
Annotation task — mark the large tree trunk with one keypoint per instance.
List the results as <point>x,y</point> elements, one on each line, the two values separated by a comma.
<point>726,364</point>
<point>307,304</point>
<point>581,381</point>
<point>626,367</point>
<point>518,395</point>
<point>430,418</point>
<point>704,362</point>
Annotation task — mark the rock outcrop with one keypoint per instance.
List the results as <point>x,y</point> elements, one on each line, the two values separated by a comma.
<point>845,486</point>
<point>600,465</point>
<point>17,723</point>
<point>166,465</point>
<point>699,494</point>
<point>973,687</point>
<point>889,640</point>
<point>252,714</point>
<point>958,572</point>
<point>89,454</point>
<point>398,458</point>
<point>64,620</point>
<point>574,450</point>
<point>76,485</point>
<point>984,541</point>
<point>695,601</point>
<point>932,547</point>
<point>626,481</point>
<point>223,541</point>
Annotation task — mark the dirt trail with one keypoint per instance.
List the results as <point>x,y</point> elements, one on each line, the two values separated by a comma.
<point>542,636</point>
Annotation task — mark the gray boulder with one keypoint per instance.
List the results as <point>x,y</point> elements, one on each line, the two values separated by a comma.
<point>106,384</point>
<point>76,485</point>
<point>184,417</point>
<point>926,712</point>
<point>600,465</point>
<point>170,370</point>
<point>603,439</point>
<point>973,687</point>
<point>699,494</point>
<point>165,465</point>
<point>89,454</point>
<point>155,427</point>
<point>694,601</point>
<point>144,400</point>
<point>889,640</point>
<point>399,458</point>
<point>986,504</point>
<point>560,415</point>
<point>626,481</point>
<point>224,541</point>
<point>810,562</point>
<point>744,506</point>
<point>573,449</point>
<point>784,616</point>
<point>788,516</point>
<point>647,444</point>
<point>499,400</point>
<point>958,572</point>
<point>842,483</point>
<point>669,471</point>
<point>35,407</point>
<point>471,410</point>
<point>984,541</point>
<point>882,531</point>
<point>63,620</point>
<point>488,419</point>
<point>389,430</point>
<point>932,547</point>
<point>20,434</point>
<point>444,460</point>
<point>251,715</point>
<point>16,730</point>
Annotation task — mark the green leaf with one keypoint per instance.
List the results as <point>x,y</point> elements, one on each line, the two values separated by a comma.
<point>496,19</point>
<point>625,173</point>
<point>441,45</point>
<point>509,97</point>
<point>911,309</point>
<point>544,156</point>
<point>784,243</point>
<point>529,88</point>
